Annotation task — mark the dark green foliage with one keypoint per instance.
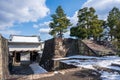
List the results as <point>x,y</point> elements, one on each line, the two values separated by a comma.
<point>117,36</point>
<point>88,24</point>
<point>78,32</point>
<point>112,21</point>
<point>117,31</point>
<point>59,23</point>
<point>96,28</point>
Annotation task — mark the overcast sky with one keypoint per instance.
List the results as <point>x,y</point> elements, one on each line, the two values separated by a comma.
<point>32,17</point>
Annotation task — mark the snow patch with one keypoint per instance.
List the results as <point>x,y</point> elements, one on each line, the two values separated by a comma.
<point>110,76</point>
<point>90,62</point>
<point>37,69</point>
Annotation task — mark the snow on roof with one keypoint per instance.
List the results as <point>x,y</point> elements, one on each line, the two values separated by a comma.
<point>16,38</point>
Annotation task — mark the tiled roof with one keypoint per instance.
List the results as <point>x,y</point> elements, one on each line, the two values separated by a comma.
<point>19,38</point>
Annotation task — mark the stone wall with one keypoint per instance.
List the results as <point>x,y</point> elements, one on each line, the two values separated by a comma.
<point>3,58</point>
<point>57,48</point>
<point>85,50</point>
<point>65,47</point>
<point>66,66</point>
<point>48,54</point>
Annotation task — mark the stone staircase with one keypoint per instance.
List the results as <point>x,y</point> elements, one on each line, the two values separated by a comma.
<point>98,49</point>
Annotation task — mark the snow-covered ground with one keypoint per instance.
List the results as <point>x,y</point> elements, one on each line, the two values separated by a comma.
<point>110,75</point>
<point>93,62</point>
<point>37,69</point>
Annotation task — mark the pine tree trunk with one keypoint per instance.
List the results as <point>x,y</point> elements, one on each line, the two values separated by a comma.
<point>60,35</point>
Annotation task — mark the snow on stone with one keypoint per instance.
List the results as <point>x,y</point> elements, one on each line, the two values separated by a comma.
<point>90,63</point>
<point>81,56</point>
<point>108,61</point>
<point>114,67</point>
<point>75,57</point>
<point>80,63</point>
<point>60,58</point>
<point>110,76</point>
<point>93,61</point>
<point>37,69</point>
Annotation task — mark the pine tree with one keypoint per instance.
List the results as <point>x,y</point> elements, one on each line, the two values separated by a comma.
<point>59,23</point>
<point>112,21</point>
<point>88,24</point>
<point>117,36</point>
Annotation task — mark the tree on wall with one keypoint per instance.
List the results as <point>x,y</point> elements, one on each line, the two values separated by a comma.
<point>78,32</point>
<point>112,21</point>
<point>117,31</point>
<point>88,24</point>
<point>117,36</point>
<point>96,29</point>
<point>59,23</point>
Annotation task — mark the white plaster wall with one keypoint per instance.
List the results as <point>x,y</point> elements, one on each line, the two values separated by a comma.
<point>24,47</point>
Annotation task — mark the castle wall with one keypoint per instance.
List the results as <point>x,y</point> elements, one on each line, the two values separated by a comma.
<point>3,58</point>
<point>57,48</point>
